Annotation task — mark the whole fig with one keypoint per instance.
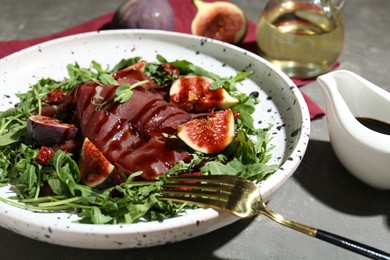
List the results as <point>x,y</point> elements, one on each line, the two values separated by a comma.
<point>144,14</point>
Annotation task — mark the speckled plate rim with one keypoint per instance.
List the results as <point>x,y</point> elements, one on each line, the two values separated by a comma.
<point>63,232</point>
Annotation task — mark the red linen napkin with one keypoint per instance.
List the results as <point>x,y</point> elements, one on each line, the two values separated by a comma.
<point>184,12</point>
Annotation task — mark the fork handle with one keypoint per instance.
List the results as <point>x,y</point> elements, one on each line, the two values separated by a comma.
<point>351,245</point>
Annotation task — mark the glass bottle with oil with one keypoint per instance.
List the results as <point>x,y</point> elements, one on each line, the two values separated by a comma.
<point>304,38</point>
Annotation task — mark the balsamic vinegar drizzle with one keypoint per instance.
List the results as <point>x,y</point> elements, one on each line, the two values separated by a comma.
<point>375,125</point>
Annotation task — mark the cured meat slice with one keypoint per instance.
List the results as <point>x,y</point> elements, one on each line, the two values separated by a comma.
<point>152,157</point>
<point>90,96</point>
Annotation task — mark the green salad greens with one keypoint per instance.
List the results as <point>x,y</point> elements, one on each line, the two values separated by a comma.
<point>133,200</point>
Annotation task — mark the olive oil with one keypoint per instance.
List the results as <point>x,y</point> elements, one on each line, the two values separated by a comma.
<point>302,39</point>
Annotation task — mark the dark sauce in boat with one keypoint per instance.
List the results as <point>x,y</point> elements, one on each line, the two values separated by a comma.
<point>375,125</point>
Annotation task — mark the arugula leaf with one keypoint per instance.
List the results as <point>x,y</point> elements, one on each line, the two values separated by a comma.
<point>124,63</point>
<point>230,83</point>
<point>23,169</point>
<point>244,157</point>
<point>245,108</point>
<point>161,59</point>
<point>187,67</point>
<point>94,215</point>
<point>57,186</point>
<point>158,74</point>
<point>136,211</point>
<point>220,168</point>
<point>27,182</point>
<point>67,170</point>
<point>13,134</point>
<point>4,166</point>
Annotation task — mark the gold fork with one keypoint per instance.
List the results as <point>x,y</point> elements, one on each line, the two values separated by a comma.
<point>242,198</point>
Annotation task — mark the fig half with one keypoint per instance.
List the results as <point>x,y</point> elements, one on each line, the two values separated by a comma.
<point>192,94</point>
<point>95,169</point>
<point>219,20</point>
<point>49,131</point>
<point>210,134</point>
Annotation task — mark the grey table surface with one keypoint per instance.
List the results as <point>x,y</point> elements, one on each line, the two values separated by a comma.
<point>321,192</point>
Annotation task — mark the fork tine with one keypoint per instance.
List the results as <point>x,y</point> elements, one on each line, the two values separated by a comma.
<point>226,179</point>
<point>216,204</point>
<point>216,195</point>
<point>213,186</point>
<point>190,185</point>
<point>210,191</point>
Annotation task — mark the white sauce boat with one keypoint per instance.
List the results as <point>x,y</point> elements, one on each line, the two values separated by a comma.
<point>363,151</point>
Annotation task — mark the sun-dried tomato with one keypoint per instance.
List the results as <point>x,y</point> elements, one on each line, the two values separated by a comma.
<point>55,96</point>
<point>44,155</point>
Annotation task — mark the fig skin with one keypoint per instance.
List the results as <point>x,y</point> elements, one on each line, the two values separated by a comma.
<point>144,14</point>
<point>192,94</point>
<point>49,131</point>
<point>113,179</point>
<point>95,170</point>
<point>211,134</point>
<point>219,20</point>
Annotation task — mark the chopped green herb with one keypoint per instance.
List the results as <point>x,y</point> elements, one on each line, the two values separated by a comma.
<point>125,92</point>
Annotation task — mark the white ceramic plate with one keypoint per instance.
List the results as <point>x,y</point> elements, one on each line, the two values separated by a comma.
<point>281,105</point>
